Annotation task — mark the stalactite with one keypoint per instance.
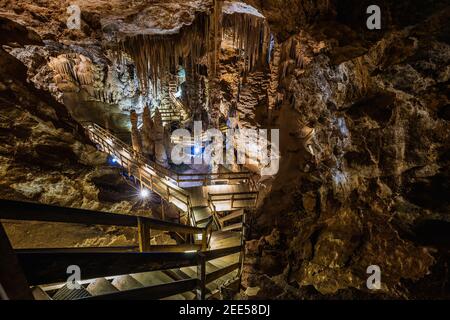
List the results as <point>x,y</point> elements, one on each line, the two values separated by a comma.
<point>215,38</point>
<point>156,54</point>
<point>83,71</point>
<point>63,65</point>
<point>250,34</point>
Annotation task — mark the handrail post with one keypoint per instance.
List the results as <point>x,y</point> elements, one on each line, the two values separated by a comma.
<point>163,213</point>
<point>144,235</point>
<point>242,255</point>
<point>205,239</point>
<point>201,276</point>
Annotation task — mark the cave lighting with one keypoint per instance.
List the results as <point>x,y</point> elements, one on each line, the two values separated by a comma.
<point>197,150</point>
<point>145,193</point>
<point>178,93</point>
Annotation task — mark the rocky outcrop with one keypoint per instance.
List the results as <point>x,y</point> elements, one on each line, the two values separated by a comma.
<point>372,187</point>
<point>46,157</point>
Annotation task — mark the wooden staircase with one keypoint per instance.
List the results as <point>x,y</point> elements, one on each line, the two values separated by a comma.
<point>192,193</point>
<point>178,106</point>
<point>144,271</point>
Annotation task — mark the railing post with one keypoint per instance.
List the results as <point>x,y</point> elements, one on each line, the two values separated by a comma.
<point>201,276</point>
<point>163,213</point>
<point>205,239</point>
<point>144,235</point>
<point>242,255</point>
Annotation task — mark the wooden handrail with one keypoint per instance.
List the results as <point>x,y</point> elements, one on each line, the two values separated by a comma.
<point>92,127</point>
<point>50,267</point>
<point>28,211</point>
<point>44,266</point>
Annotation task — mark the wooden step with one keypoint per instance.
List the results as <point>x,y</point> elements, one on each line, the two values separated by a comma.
<point>233,215</point>
<point>160,277</point>
<point>39,294</point>
<point>126,282</point>
<point>151,278</point>
<point>236,226</point>
<point>71,294</point>
<point>201,214</point>
<point>101,286</point>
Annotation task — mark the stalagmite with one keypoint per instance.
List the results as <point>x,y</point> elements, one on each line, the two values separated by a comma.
<point>273,98</point>
<point>135,138</point>
<point>160,150</point>
<point>63,66</point>
<point>147,133</point>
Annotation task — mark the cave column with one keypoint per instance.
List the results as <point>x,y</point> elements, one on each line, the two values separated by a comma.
<point>148,142</point>
<point>135,137</point>
<point>159,131</point>
<point>215,44</point>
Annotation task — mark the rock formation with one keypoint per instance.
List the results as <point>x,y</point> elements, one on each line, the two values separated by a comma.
<point>363,118</point>
<point>136,140</point>
<point>147,134</point>
<point>159,132</point>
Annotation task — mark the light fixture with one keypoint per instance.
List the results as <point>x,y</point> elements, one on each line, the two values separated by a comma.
<point>197,150</point>
<point>144,193</point>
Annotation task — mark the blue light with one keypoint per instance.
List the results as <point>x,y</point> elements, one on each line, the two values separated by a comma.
<point>113,160</point>
<point>178,93</point>
<point>197,150</point>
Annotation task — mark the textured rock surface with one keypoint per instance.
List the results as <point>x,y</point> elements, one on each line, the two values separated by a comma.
<point>45,157</point>
<point>363,118</point>
<point>373,188</point>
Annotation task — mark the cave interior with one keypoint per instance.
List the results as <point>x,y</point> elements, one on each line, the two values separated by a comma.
<point>211,149</point>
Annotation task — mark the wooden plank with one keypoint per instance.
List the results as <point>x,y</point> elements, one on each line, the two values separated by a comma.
<point>214,254</point>
<point>13,283</point>
<point>221,272</point>
<point>175,248</point>
<point>49,267</point>
<point>144,235</point>
<point>201,277</point>
<point>151,293</point>
<point>233,215</point>
<point>80,249</point>
<point>28,211</point>
<point>235,226</point>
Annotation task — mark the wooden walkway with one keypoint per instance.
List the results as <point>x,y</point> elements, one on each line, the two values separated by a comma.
<point>199,195</point>
<point>187,270</point>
